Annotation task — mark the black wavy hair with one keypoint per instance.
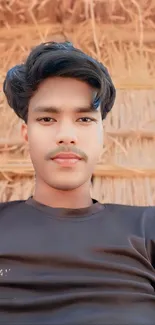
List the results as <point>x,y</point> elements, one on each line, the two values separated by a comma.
<point>57,59</point>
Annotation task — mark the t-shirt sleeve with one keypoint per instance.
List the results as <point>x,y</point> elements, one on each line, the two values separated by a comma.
<point>149,226</point>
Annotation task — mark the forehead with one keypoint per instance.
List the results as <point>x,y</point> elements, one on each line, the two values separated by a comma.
<point>62,92</point>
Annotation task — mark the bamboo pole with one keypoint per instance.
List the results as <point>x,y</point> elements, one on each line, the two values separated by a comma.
<point>125,133</point>
<point>25,168</point>
<point>123,171</point>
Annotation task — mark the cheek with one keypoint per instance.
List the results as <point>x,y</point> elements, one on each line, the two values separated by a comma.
<point>38,142</point>
<point>94,144</point>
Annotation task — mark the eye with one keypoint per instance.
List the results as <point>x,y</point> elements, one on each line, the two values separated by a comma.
<point>45,119</point>
<point>86,119</point>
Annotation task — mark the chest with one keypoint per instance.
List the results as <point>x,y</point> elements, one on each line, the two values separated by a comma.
<point>58,252</point>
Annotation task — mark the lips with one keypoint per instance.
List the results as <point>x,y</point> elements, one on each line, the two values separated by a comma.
<point>66,159</point>
<point>67,156</point>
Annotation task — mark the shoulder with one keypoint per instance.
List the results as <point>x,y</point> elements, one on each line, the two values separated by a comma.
<point>149,216</point>
<point>138,218</point>
<point>147,213</point>
<point>127,215</point>
<point>124,210</point>
<point>150,212</point>
<point>149,222</point>
<point>10,205</point>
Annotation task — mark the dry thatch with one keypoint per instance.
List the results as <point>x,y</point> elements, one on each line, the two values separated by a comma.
<point>15,12</point>
<point>121,35</point>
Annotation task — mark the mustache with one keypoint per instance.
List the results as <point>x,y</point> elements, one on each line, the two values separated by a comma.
<point>66,149</point>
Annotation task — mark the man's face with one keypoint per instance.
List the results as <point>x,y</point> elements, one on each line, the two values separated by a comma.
<point>55,124</point>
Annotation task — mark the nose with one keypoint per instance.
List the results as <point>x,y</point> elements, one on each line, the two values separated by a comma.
<point>66,135</point>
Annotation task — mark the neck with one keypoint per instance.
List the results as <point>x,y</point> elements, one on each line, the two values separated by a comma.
<point>72,199</point>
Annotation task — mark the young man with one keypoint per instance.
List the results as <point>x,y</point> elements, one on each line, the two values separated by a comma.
<point>65,258</point>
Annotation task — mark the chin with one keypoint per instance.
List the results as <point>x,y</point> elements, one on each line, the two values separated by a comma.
<point>65,186</point>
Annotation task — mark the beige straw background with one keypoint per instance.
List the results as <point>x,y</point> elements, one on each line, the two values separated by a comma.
<point>121,34</point>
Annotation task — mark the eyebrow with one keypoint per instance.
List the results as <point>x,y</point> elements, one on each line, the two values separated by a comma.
<point>43,109</point>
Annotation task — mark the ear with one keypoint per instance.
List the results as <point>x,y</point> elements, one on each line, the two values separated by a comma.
<point>24,131</point>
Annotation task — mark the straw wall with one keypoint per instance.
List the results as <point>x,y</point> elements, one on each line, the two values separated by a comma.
<point>121,35</point>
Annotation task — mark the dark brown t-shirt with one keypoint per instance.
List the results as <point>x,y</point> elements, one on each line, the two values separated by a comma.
<point>76,267</point>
